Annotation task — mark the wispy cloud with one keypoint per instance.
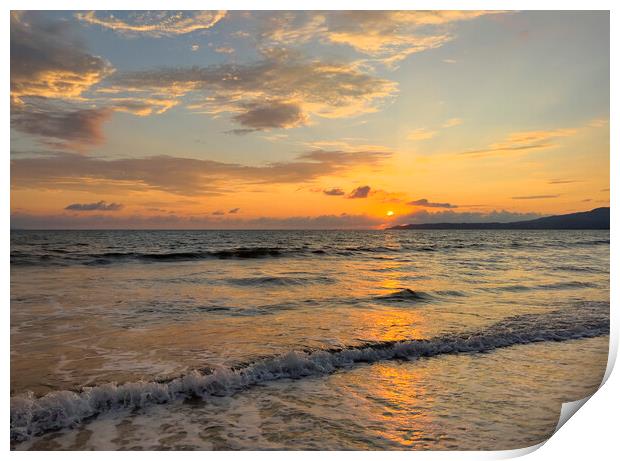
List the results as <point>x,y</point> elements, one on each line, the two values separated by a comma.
<point>421,134</point>
<point>452,122</point>
<point>97,206</point>
<point>387,196</point>
<point>425,203</point>
<point>385,36</point>
<point>534,197</point>
<point>154,23</point>
<point>281,91</point>
<point>523,141</point>
<point>563,181</point>
<point>141,106</point>
<point>224,49</point>
<point>174,221</point>
<point>598,123</point>
<point>178,175</point>
<point>335,191</point>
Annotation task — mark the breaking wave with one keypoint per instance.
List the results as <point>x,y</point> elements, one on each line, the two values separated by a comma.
<point>60,409</point>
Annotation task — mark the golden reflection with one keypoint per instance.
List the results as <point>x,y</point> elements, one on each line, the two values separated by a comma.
<point>392,324</point>
<point>403,399</point>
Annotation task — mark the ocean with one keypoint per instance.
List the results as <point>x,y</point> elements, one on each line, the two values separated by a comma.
<point>320,340</point>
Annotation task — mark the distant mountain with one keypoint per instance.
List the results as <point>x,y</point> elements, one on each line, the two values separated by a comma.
<point>593,219</point>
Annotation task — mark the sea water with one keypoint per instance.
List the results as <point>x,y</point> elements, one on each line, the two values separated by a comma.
<point>303,339</point>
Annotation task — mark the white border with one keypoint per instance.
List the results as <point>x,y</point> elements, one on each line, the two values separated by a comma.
<point>592,433</point>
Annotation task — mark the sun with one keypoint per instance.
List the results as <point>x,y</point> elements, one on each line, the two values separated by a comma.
<point>390,213</point>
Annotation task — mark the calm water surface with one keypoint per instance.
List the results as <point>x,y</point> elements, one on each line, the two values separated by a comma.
<point>302,339</point>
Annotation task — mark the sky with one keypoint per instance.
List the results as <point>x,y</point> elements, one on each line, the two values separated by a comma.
<point>302,119</point>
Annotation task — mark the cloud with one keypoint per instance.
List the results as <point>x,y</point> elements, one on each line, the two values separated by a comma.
<point>388,197</point>
<point>523,141</point>
<point>178,175</point>
<point>195,47</point>
<point>425,203</point>
<point>218,213</point>
<point>598,123</point>
<point>73,129</point>
<point>341,221</point>
<point>283,90</point>
<point>142,107</point>
<point>224,49</point>
<point>155,23</point>
<point>348,157</point>
<point>233,210</point>
<point>47,62</point>
<point>534,197</point>
<point>360,192</point>
<point>563,181</point>
<point>334,191</point>
<point>452,122</point>
<point>271,114</point>
<point>386,36</point>
<point>173,221</point>
<point>449,216</point>
<point>421,134</point>
<point>98,206</point>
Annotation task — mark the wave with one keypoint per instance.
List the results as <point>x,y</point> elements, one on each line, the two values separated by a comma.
<point>111,257</point>
<point>571,284</point>
<point>452,293</point>
<point>568,285</point>
<point>280,281</point>
<point>569,268</point>
<point>32,416</point>
<point>593,242</point>
<point>405,294</point>
<point>260,252</point>
<point>63,253</point>
<point>65,257</point>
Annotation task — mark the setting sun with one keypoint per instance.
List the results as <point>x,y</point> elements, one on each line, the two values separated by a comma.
<point>390,213</point>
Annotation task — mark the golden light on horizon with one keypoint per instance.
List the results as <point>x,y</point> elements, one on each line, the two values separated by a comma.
<point>453,154</point>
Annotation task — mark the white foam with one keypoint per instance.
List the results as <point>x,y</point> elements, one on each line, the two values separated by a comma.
<point>56,410</point>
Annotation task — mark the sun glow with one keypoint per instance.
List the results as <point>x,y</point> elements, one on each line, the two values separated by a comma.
<point>390,213</point>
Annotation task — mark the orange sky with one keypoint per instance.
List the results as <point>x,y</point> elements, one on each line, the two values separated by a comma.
<point>305,119</point>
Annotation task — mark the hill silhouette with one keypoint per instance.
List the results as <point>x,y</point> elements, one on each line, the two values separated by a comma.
<point>597,218</point>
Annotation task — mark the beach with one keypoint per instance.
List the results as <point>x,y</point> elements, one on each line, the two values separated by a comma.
<point>303,339</point>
